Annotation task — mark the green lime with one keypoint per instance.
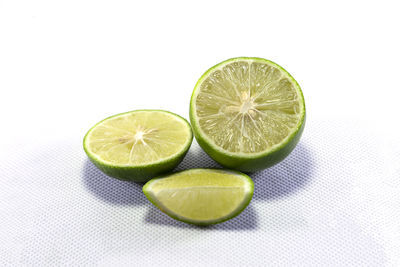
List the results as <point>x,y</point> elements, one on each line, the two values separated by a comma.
<point>201,196</point>
<point>138,145</point>
<point>247,113</point>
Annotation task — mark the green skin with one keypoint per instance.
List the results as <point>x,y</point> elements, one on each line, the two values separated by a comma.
<point>139,173</point>
<point>249,163</point>
<point>186,220</point>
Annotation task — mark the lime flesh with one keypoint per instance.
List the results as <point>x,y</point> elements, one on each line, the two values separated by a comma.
<point>201,196</point>
<point>138,145</point>
<point>247,113</point>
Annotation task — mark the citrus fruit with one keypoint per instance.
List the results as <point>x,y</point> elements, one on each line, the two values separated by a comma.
<point>247,113</point>
<point>201,196</point>
<point>138,145</point>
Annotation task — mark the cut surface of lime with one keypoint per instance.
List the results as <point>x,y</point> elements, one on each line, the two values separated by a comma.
<point>201,196</point>
<point>138,144</point>
<point>246,109</point>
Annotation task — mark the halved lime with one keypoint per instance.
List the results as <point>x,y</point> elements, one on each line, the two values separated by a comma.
<point>138,145</point>
<point>201,196</point>
<point>247,113</point>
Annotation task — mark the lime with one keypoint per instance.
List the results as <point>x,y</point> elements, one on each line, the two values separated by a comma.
<point>201,196</point>
<point>138,145</point>
<point>247,113</point>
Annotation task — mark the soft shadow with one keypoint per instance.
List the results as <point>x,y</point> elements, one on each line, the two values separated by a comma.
<point>247,220</point>
<point>285,178</point>
<point>196,158</point>
<point>111,190</point>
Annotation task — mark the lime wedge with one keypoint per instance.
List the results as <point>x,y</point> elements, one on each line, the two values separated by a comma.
<point>201,196</point>
<point>247,113</point>
<point>138,145</point>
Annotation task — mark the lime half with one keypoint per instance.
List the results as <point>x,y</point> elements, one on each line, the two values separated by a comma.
<point>201,196</point>
<point>138,145</point>
<point>247,113</point>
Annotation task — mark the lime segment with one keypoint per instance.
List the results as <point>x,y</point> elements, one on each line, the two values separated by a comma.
<point>201,196</point>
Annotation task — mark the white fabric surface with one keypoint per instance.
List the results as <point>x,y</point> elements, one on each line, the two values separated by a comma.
<point>65,65</point>
<point>334,201</point>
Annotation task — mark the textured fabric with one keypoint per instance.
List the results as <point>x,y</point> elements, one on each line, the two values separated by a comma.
<point>334,201</point>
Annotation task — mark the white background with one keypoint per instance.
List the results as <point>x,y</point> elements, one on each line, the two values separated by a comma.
<point>65,65</point>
